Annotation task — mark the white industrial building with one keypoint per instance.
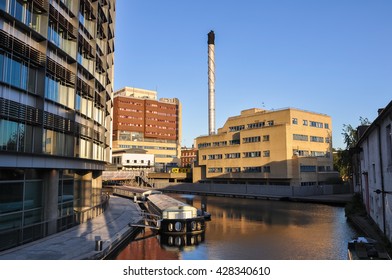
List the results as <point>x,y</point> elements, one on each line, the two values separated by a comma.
<point>373,175</point>
<point>132,159</point>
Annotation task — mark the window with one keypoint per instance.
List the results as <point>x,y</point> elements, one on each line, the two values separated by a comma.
<point>267,169</point>
<point>232,169</point>
<point>236,128</point>
<point>389,144</point>
<point>266,153</point>
<point>316,124</point>
<point>300,137</point>
<point>213,157</point>
<point>232,155</point>
<point>300,153</point>
<point>316,139</point>
<point>317,154</point>
<point>308,168</point>
<point>295,121</point>
<point>13,136</point>
<point>204,145</point>
<point>252,169</point>
<point>305,122</point>
<point>256,125</point>
<point>215,170</point>
<point>219,144</point>
<point>252,154</point>
<point>251,139</point>
<point>266,138</point>
<point>234,142</point>
<point>326,126</point>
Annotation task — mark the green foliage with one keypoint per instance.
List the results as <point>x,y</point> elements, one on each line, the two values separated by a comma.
<point>343,158</point>
<point>355,206</point>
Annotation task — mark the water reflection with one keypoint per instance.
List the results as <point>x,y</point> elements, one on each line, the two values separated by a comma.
<point>258,229</point>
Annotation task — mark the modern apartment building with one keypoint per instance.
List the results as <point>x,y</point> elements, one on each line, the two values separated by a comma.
<point>56,91</point>
<point>141,121</point>
<point>279,147</point>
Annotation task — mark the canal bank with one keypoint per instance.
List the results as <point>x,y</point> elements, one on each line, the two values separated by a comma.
<point>329,199</point>
<point>92,240</point>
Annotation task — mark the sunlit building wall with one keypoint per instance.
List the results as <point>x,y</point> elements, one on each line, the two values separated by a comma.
<point>56,92</point>
<point>279,147</point>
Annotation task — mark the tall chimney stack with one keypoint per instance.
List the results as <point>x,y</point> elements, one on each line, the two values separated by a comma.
<point>211,82</point>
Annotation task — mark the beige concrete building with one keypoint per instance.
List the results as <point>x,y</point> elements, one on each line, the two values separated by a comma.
<point>279,147</point>
<point>141,121</point>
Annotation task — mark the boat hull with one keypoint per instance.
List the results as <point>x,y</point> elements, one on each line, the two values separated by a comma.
<point>182,226</point>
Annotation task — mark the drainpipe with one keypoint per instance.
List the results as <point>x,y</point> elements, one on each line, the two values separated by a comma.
<point>382,178</point>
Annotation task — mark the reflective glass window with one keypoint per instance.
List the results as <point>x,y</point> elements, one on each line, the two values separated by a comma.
<point>11,197</point>
<point>33,194</point>
<point>32,217</point>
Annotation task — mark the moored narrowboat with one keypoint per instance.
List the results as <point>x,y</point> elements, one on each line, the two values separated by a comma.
<point>364,248</point>
<point>176,217</point>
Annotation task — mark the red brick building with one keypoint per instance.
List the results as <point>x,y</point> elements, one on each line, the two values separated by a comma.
<point>141,121</point>
<point>188,156</point>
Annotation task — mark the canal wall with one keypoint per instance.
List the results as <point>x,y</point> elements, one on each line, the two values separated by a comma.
<point>256,190</point>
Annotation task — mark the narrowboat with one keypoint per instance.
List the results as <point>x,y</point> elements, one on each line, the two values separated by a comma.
<point>175,217</point>
<point>364,248</point>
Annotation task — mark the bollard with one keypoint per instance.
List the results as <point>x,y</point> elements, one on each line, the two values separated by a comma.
<point>98,243</point>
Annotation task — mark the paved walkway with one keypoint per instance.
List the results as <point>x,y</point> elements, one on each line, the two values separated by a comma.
<point>78,243</point>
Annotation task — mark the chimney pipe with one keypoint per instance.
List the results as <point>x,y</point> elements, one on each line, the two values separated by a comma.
<point>211,82</point>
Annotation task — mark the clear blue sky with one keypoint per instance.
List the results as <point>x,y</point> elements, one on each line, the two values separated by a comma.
<point>328,56</point>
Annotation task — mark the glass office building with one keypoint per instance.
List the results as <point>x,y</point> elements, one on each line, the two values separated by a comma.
<point>56,98</point>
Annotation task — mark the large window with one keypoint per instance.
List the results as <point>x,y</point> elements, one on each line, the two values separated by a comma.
<point>60,37</point>
<point>252,169</point>
<point>300,137</point>
<point>252,154</point>
<point>389,144</point>
<point>251,139</point>
<point>317,139</point>
<point>59,92</point>
<point>56,143</point>
<point>11,197</point>
<point>12,136</point>
<point>308,168</point>
<point>16,73</point>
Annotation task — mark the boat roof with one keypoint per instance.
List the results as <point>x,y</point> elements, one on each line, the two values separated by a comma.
<point>164,202</point>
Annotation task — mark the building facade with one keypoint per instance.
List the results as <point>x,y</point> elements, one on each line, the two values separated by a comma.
<point>141,121</point>
<point>281,147</point>
<point>56,91</point>
<point>373,170</point>
<point>188,156</point>
<point>133,159</point>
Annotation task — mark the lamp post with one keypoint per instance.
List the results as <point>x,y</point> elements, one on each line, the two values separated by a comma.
<point>378,191</point>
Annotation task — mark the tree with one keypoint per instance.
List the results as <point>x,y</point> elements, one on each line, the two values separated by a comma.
<point>350,134</point>
<point>343,158</point>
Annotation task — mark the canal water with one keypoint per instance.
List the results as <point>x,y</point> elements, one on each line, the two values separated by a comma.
<point>248,229</point>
